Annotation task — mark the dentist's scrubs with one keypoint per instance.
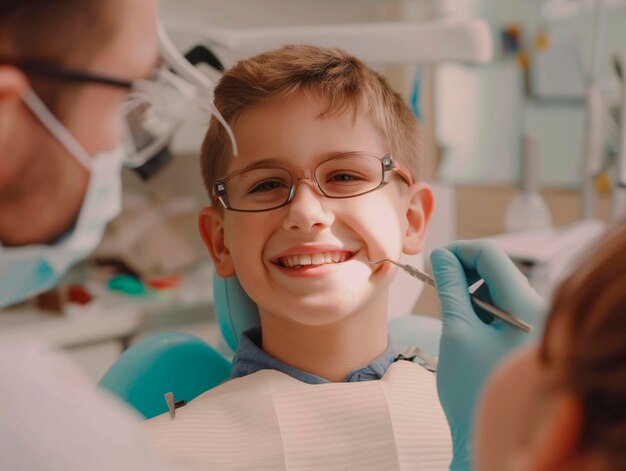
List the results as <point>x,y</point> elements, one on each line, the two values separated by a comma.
<point>52,418</point>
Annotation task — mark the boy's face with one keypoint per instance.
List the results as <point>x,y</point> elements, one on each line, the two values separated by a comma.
<point>339,234</point>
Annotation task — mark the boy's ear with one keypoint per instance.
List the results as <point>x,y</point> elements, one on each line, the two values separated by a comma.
<point>419,210</point>
<point>211,228</point>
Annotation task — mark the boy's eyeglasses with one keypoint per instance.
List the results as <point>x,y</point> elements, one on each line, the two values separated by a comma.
<point>267,187</point>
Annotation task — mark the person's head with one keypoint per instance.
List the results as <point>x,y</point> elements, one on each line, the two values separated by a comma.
<point>300,108</point>
<point>65,69</point>
<point>562,404</point>
<point>39,179</point>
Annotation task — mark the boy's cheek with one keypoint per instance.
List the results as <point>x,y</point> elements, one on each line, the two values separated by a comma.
<point>381,231</point>
<point>245,241</point>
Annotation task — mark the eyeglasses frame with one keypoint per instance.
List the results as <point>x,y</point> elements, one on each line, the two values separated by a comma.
<point>388,164</point>
<point>43,69</point>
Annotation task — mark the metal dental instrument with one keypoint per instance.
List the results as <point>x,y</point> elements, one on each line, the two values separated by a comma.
<point>426,278</point>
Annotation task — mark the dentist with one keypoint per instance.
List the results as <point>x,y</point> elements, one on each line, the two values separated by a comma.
<point>65,69</point>
<point>64,73</point>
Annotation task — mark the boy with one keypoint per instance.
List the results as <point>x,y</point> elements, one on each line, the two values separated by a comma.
<point>326,180</point>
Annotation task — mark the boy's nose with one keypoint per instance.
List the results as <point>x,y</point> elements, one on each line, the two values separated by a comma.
<point>306,210</point>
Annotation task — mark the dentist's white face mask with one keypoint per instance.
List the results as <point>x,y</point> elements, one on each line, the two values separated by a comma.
<point>31,269</point>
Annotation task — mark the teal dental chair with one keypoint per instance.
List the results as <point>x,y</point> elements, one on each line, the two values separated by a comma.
<point>187,366</point>
<point>173,362</point>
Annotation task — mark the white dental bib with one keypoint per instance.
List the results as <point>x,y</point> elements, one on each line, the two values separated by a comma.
<point>270,421</point>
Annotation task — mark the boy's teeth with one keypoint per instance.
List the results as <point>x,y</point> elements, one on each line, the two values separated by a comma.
<point>315,259</point>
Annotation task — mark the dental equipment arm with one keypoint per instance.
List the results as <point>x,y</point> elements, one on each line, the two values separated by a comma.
<point>379,43</point>
<point>594,132</point>
<point>619,199</point>
<point>469,348</point>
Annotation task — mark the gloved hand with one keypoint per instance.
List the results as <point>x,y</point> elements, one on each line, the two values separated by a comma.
<point>470,348</point>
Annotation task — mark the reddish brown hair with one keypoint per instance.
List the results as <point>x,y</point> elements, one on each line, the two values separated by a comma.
<point>61,32</point>
<point>591,306</point>
<point>343,81</point>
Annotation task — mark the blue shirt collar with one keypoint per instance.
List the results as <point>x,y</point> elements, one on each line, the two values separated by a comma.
<point>250,358</point>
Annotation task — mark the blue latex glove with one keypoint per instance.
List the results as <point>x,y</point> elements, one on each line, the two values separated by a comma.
<point>469,348</point>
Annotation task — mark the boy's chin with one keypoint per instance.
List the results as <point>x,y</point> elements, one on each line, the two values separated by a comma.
<point>317,319</point>
<point>320,311</point>
<point>341,289</point>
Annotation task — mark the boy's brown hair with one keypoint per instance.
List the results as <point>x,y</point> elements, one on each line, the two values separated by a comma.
<point>343,81</point>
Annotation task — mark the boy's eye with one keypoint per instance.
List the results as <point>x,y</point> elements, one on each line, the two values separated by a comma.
<point>344,177</point>
<point>267,185</point>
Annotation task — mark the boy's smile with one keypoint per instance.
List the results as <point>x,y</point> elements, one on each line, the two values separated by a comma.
<point>308,258</point>
<point>306,262</point>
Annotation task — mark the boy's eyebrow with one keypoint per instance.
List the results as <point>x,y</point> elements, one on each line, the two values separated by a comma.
<point>259,163</point>
<point>268,161</point>
<point>320,158</point>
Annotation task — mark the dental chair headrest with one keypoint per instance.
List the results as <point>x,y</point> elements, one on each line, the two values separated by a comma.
<point>234,310</point>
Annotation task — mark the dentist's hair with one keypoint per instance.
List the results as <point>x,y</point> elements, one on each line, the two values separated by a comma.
<point>590,308</point>
<point>60,32</point>
<point>345,83</point>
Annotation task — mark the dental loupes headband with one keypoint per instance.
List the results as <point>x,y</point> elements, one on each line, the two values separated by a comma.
<point>204,85</point>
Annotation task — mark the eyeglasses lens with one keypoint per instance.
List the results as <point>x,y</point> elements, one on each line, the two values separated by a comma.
<point>348,176</point>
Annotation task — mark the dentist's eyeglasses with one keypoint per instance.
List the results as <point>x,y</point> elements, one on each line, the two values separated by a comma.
<point>153,109</point>
<point>68,74</point>
<point>267,187</point>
